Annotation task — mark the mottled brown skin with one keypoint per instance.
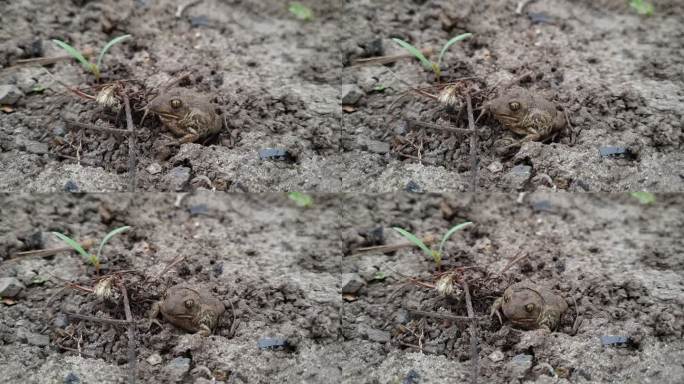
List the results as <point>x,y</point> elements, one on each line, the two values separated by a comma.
<point>186,114</point>
<point>530,306</point>
<point>189,309</point>
<point>528,114</point>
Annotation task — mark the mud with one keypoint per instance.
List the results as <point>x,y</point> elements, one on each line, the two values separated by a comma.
<point>616,262</point>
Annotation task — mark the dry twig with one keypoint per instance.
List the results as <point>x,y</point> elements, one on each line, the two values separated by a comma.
<point>131,145</point>
<point>131,333</point>
<point>474,355</point>
<point>473,146</point>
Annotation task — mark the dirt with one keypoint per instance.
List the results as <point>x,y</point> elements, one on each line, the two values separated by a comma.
<point>272,76</point>
<point>617,263</point>
<point>613,72</point>
<point>274,266</point>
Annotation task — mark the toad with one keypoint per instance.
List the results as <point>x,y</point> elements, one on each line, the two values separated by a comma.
<point>530,306</point>
<point>186,114</point>
<point>189,309</point>
<point>525,113</point>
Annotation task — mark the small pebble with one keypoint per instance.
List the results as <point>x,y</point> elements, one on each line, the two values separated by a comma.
<point>176,369</point>
<point>177,178</point>
<point>352,94</point>
<point>10,287</point>
<point>412,377</point>
<point>70,186</point>
<point>352,287</point>
<point>272,343</point>
<point>414,187</point>
<point>278,154</point>
<point>615,341</point>
<point>37,339</point>
<point>378,335</point>
<point>9,94</point>
<point>153,168</point>
<point>154,359</point>
<point>495,167</point>
<point>519,365</point>
<point>71,378</point>
<point>617,152</point>
<point>496,356</point>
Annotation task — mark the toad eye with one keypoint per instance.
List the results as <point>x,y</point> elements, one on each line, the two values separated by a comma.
<point>529,307</point>
<point>189,303</point>
<point>514,105</point>
<point>176,103</point>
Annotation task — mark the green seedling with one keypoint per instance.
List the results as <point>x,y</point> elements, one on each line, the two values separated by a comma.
<point>301,11</point>
<point>94,68</point>
<point>94,259</point>
<point>434,66</point>
<point>435,254</point>
<point>644,197</point>
<point>642,7</point>
<point>301,199</point>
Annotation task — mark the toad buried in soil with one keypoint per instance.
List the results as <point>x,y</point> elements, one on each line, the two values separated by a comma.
<point>528,114</point>
<point>189,309</point>
<point>530,306</point>
<point>186,114</point>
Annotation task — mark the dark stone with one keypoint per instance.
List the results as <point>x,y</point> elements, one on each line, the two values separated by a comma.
<point>176,369</point>
<point>412,186</point>
<point>199,21</point>
<point>218,269</point>
<point>373,48</point>
<point>71,378</point>
<point>617,152</point>
<point>542,206</point>
<point>10,287</point>
<point>412,377</point>
<point>70,186</point>
<point>402,316</point>
<point>199,209</point>
<point>37,48</point>
<point>375,236</point>
<point>273,343</point>
<point>177,178</point>
<point>616,341</point>
<point>352,287</point>
<point>9,94</point>
<point>539,18</point>
<point>351,94</point>
<point>277,154</point>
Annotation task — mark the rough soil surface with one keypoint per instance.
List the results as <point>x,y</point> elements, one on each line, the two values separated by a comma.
<point>273,76</point>
<point>617,263</point>
<point>616,74</point>
<point>273,265</point>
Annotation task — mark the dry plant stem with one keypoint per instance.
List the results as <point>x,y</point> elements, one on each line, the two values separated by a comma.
<point>131,331</point>
<point>86,244</point>
<point>521,6</point>
<point>381,60</point>
<point>131,146</point>
<point>513,262</point>
<point>473,146</point>
<point>444,316</point>
<point>76,124</point>
<point>98,319</point>
<point>428,240</point>
<point>175,261</point>
<point>415,123</point>
<point>181,8</point>
<point>474,356</point>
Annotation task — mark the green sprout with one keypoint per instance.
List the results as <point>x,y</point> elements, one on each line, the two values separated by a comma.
<point>301,199</point>
<point>435,254</point>
<point>301,11</point>
<point>642,7</point>
<point>644,197</point>
<point>94,68</point>
<point>94,259</point>
<point>434,66</point>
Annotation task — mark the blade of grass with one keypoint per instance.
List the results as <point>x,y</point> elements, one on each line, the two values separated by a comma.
<point>106,48</point>
<point>415,240</point>
<point>415,52</point>
<point>449,43</point>
<point>73,244</point>
<point>301,11</point>
<point>75,53</point>
<point>109,236</point>
<point>451,232</point>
